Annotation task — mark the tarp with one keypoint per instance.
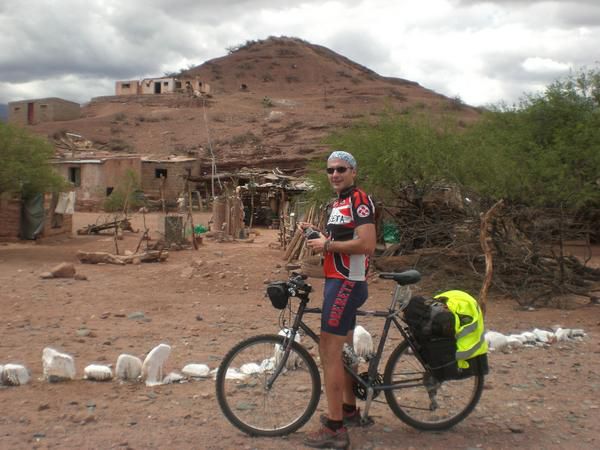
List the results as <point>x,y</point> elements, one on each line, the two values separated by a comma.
<point>32,216</point>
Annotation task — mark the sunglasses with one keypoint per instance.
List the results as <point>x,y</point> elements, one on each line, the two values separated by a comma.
<point>341,169</point>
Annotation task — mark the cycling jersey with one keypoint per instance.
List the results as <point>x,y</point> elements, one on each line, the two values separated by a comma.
<point>351,209</point>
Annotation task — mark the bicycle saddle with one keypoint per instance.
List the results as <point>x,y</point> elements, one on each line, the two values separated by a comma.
<point>402,278</point>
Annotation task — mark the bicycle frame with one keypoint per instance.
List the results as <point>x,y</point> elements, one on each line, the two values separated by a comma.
<point>391,316</point>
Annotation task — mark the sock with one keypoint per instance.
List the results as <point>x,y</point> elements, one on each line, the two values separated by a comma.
<point>349,410</point>
<point>335,424</point>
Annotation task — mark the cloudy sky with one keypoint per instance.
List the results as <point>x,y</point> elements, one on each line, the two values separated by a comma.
<point>483,51</point>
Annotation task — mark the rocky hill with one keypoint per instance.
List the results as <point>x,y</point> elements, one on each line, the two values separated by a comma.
<point>271,104</point>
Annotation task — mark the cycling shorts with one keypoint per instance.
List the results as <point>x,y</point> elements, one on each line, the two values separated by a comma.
<point>341,299</point>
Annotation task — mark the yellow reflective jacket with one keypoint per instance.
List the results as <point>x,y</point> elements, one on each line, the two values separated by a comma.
<point>468,324</point>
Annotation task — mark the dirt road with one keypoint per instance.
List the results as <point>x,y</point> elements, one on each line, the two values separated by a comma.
<point>201,303</point>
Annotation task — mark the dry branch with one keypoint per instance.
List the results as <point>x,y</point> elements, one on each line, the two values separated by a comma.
<point>109,258</point>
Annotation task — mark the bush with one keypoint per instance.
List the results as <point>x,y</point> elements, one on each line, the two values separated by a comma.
<point>26,167</point>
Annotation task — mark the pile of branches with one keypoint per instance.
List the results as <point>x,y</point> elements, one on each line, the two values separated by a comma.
<point>530,262</point>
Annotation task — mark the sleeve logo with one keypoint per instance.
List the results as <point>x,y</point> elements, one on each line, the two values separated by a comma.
<point>363,211</point>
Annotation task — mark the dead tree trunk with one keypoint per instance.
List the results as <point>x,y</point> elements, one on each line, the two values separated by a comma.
<point>486,244</point>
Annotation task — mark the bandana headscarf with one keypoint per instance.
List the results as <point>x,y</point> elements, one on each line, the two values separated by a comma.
<point>344,156</point>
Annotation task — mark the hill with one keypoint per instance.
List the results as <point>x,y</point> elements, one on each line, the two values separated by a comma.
<point>272,102</point>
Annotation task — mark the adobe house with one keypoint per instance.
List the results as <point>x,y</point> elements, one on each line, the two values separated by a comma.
<point>165,85</point>
<point>157,85</point>
<point>129,87</point>
<point>31,112</point>
<point>34,219</point>
<point>95,178</point>
<point>167,175</point>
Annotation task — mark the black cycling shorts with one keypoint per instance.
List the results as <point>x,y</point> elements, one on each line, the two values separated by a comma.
<point>341,299</point>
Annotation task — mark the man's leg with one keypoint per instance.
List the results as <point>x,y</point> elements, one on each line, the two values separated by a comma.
<point>349,397</point>
<point>330,350</point>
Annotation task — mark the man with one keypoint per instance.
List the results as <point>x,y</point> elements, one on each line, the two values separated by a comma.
<point>348,243</point>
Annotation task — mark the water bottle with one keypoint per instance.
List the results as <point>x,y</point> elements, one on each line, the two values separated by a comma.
<point>350,358</point>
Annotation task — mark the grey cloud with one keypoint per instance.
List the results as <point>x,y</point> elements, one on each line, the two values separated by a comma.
<point>360,47</point>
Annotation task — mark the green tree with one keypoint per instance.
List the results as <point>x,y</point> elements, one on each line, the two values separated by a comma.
<point>399,150</point>
<point>25,163</point>
<point>127,194</point>
<point>545,151</point>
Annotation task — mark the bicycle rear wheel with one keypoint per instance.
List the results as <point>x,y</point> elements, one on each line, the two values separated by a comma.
<point>253,408</point>
<point>453,400</point>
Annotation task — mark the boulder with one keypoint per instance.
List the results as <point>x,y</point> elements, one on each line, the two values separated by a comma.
<point>14,375</point>
<point>96,372</point>
<point>57,366</point>
<point>129,367</point>
<point>196,370</point>
<point>63,270</point>
<point>152,368</point>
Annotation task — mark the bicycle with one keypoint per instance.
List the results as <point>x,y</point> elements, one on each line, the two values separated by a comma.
<point>270,385</point>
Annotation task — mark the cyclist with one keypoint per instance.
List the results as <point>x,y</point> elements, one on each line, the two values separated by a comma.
<point>347,244</point>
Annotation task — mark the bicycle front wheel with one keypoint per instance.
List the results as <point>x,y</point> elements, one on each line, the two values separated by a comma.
<point>423,402</point>
<point>252,406</point>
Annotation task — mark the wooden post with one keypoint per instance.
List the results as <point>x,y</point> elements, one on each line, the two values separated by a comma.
<point>485,240</point>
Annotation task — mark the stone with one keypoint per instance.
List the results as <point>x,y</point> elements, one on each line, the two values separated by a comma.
<point>196,370</point>
<point>136,315</point>
<point>82,332</point>
<point>80,277</point>
<point>46,275</point>
<point>63,270</point>
<point>96,372</point>
<point>152,367</point>
<point>14,375</point>
<point>129,367</point>
<point>173,377</point>
<point>57,366</point>
<point>188,272</point>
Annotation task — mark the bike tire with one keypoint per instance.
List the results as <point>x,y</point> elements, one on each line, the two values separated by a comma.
<point>288,405</point>
<point>457,400</point>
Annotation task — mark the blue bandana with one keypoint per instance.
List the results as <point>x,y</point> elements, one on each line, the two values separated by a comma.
<point>344,156</point>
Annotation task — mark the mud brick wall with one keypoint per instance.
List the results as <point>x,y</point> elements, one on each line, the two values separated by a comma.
<point>174,183</point>
<point>10,218</point>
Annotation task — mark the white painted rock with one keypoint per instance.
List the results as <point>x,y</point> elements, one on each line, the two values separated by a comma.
<point>173,377</point>
<point>57,366</point>
<point>152,368</point>
<point>543,335</point>
<point>232,374</point>
<point>129,367</point>
<point>562,334</point>
<point>518,337</point>
<point>495,340</point>
<point>250,368</point>
<point>97,372</point>
<point>1,370</point>
<point>196,370</point>
<point>362,342</point>
<point>267,364</point>
<point>529,337</point>
<point>513,341</point>
<point>14,375</point>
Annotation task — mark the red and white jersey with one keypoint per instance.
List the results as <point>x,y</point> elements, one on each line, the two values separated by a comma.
<point>351,209</point>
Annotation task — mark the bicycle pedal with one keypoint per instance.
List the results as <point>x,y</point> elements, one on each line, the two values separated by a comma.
<point>366,422</point>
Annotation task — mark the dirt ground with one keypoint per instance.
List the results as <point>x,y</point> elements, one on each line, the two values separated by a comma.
<point>201,303</point>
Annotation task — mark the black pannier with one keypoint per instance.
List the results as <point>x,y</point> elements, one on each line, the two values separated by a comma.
<point>433,326</point>
<point>278,294</point>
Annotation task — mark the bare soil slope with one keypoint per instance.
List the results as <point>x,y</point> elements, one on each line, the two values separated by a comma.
<point>272,102</point>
